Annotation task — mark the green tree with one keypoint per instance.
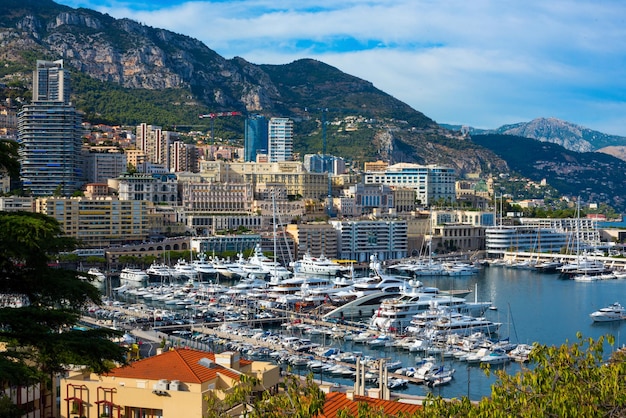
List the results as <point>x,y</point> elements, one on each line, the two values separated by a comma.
<point>9,157</point>
<point>565,381</point>
<point>38,328</point>
<point>295,398</point>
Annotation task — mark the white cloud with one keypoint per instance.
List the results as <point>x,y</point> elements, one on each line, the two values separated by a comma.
<point>479,62</point>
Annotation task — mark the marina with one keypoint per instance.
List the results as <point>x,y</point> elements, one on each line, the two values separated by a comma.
<point>530,306</point>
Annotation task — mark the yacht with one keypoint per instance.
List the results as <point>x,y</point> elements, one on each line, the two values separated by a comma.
<point>160,273</point>
<point>204,268</point>
<point>134,275</point>
<point>228,269</point>
<point>97,275</point>
<point>395,314</point>
<point>613,312</point>
<point>184,270</point>
<point>271,267</point>
<point>321,265</point>
<point>463,325</point>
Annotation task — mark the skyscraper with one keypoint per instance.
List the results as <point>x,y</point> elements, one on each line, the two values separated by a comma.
<point>280,140</point>
<point>50,132</point>
<point>256,134</point>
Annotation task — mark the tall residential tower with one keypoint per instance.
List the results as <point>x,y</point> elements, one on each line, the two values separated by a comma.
<point>50,132</point>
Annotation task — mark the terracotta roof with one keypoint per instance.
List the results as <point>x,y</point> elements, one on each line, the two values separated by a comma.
<point>337,401</point>
<point>180,364</point>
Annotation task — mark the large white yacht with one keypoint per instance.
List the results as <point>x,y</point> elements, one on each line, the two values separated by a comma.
<point>321,265</point>
<point>160,273</point>
<point>134,275</point>
<point>396,314</point>
<point>272,267</point>
<point>204,268</point>
<point>613,312</point>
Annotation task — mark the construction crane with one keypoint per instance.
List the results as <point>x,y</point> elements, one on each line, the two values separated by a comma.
<point>212,116</point>
<point>325,110</point>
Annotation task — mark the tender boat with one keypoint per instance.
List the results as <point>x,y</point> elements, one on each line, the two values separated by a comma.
<point>613,312</point>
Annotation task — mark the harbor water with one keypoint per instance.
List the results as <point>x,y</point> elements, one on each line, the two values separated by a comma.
<point>532,307</point>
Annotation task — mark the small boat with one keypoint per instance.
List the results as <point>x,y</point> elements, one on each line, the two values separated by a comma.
<point>397,383</point>
<point>434,381</point>
<point>496,357</point>
<point>613,312</point>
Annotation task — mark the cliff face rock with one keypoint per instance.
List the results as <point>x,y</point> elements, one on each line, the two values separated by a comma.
<point>136,56</point>
<point>132,55</point>
<point>568,135</point>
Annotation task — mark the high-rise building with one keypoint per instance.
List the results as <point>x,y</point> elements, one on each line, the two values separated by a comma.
<point>51,83</point>
<point>256,137</point>
<point>280,140</point>
<point>50,132</point>
<point>155,143</point>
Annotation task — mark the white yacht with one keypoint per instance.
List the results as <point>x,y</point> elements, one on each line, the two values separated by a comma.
<point>98,276</point>
<point>396,314</point>
<point>613,312</point>
<point>204,268</point>
<point>184,270</point>
<point>228,269</point>
<point>321,265</point>
<point>463,325</point>
<point>134,275</point>
<point>273,268</point>
<point>160,273</point>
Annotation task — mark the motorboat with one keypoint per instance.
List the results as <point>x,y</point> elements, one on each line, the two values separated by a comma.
<point>204,267</point>
<point>613,312</point>
<point>185,270</point>
<point>462,325</point>
<point>496,357</point>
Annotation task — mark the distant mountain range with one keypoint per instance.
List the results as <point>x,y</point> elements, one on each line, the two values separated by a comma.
<point>126,73</point>
<point>570,136</point>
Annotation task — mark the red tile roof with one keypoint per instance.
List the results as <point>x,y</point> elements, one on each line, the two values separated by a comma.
<point>180,364</point>
<point>337,401</point>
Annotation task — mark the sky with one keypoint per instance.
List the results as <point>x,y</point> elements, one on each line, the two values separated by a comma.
<point>482,63</point>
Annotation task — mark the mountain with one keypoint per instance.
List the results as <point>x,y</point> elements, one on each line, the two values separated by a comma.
<point>126,72</point>
<point>570,136</point>
<point>594,176</point>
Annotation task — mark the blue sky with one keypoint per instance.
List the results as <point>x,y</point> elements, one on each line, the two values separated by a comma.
<point>482,63</point>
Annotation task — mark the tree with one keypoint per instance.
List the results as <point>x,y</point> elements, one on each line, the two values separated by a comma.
<point>569,380</point>
<point>9,157</point>
<point>294,399</point>
<point>45,303</point>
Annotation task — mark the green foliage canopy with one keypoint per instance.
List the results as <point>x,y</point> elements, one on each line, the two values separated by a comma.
<point>38,328</point>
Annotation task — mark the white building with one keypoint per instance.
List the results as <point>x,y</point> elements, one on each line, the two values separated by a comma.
<point>358,240</point>
<point>280,140</point>
<point>430,182</point>
<point>156,188</point>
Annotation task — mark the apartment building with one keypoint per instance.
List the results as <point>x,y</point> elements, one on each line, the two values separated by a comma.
<point>99,222</point>
<point>315,238</point>
<point>360,239</point>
